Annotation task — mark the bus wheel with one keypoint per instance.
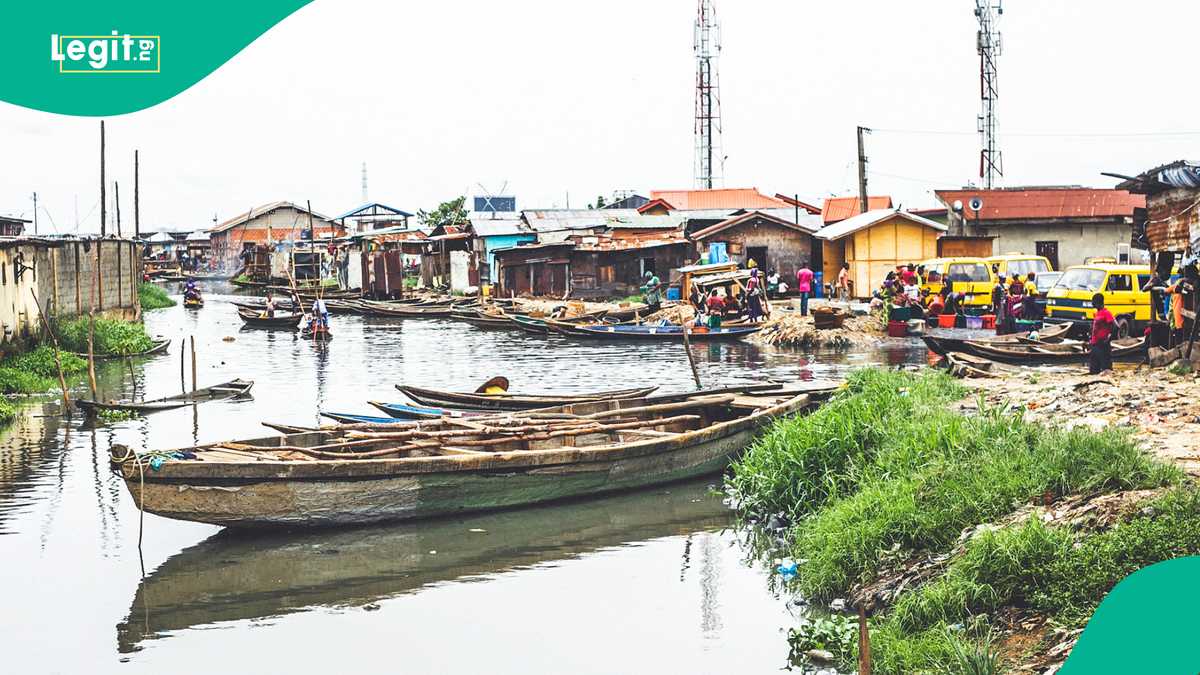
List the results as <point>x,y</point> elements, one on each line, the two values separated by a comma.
<point>1123,328</point>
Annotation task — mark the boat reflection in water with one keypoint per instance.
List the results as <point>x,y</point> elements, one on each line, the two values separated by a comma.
<point>249,575</point>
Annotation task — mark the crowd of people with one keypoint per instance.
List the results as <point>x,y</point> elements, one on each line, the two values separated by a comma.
<point>1012,298</point>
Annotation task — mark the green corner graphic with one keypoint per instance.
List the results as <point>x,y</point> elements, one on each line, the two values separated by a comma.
<point>179,44</point>
<point>1146,624</point>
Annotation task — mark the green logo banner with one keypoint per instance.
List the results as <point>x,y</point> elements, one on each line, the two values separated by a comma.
<point>1146,624</point>
<point>98,58</point>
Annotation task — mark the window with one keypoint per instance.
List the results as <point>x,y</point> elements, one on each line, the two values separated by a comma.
<point>1119,282</point>
<point>968,272</point>
<point>1143,279</point>
<point>1023,267</point>
<point>1082,279</point>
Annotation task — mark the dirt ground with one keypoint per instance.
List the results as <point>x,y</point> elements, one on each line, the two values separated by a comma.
<point>1159,405</point>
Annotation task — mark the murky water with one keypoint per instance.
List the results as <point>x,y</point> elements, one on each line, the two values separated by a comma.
<point>644,582</point>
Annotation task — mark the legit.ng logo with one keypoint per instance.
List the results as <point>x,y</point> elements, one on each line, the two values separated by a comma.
<point>107,53</point>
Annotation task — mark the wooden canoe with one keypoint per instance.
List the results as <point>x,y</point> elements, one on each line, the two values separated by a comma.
<point>257,319</point>
<point>486,320</point>
<point>160,345</point>
<point>318,334</point>
<point>346,418</point>
<point>219,392</point>
<point>193,303</point>
<point>670,332</point>
<point>413,412</point>
<point>415,311</point>
<point>1019,353</point>
<point>506,401</point>
<point>436,468</point>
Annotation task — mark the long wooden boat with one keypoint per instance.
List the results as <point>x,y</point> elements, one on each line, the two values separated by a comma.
<point>220,579</point>
<point>506,401</point>
<point>1018,352</point>
<point>670,332</point>
<point>1051,333</point>
<point>316,333</point>
<point>257,319</point>
<point>487,320</point>
<point>429,469</point>
<point>346,418</point>
<point>377,308</point>
<point>530,324</point>
<point>219,392</point>
<point>193,303</point>
<point>160,345</point>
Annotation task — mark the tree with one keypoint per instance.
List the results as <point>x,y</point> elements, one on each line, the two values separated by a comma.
<point>446,214</point>
<point>600,203</point>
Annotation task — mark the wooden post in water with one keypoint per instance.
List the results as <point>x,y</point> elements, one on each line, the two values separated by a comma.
<point>193,342</point>
<point>864,644</point>
<point>136,222</point>
<point>117,205</point>
<point>687,346</point>
<point>103,206</point>
<point>182,359</point>
<point>62,381</point>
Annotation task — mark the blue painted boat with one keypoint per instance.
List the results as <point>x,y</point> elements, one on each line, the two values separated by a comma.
<point>360,419</point>
<point>668,332</point>
<point>402,411</point>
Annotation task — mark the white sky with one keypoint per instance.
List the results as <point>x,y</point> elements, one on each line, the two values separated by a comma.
<point>559,98</point>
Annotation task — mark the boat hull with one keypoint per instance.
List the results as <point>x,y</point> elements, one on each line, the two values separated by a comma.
<point>316,502</point>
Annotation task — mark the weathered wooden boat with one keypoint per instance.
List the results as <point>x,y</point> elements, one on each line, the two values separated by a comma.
<point>316,333</point>
<point>1019,352</point>
<point>427,469</point>
<point>414,412</point>
<point>346,418</point>
<point>259,319</point>
<point>219,392</point>
<point>507,401</point>
<point>159,346</point>
<point>649,332</point>
<point>530,324</point>
<point>220,579</point>
<point>193,303</point>
<point>484,319</point>
<point>378,308</point>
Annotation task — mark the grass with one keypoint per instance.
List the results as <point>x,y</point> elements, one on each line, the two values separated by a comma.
<point>888,468</point>
<point>111,416</point>
<point>634,299</point>
<point>153,297</point>
<point>34,372</point>
<point>112,336</point>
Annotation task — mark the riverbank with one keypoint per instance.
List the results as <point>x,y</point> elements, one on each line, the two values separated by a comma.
<point>972,536</point>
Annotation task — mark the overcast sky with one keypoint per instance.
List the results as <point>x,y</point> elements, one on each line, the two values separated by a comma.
<point>558,99</point>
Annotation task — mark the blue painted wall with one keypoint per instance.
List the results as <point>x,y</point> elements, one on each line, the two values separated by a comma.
<point>491,244</point>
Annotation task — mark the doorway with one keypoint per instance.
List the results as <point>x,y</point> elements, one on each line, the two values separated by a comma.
<point>1049,251</point>
<point>758,254</point>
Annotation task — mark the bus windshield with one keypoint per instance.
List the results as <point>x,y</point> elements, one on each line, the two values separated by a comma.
<point>968,272</point>
<point>1081,279</point>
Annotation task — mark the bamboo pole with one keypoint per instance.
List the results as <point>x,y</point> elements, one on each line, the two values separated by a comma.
<point>182,359</point>
<point>92,323</point>
<point>62,381</point>
<point>864,644</point>
<point>193,342</point>
<point>687,347</point>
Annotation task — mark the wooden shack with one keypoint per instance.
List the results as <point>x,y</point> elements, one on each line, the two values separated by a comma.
<point>875,243</point>
<point>772,242</point>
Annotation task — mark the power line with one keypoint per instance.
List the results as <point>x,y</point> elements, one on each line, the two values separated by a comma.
<point>1039,134</point>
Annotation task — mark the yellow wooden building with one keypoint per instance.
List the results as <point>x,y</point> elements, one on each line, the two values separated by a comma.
<point>875,243</point>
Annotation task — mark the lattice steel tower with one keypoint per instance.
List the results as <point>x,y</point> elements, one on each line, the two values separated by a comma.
<point>989,46</point>
<point>364,183</point>
<point>707,45</point>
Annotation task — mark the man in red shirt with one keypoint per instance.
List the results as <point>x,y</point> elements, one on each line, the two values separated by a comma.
<point>1100,352</point>
<point>804,284</point>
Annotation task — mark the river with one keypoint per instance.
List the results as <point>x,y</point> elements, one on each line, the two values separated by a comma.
<point>654,581</point>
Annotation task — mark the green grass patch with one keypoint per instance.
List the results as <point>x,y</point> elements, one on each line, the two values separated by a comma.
<point>8,412</point>
<point>115,415</point>
<point>153,297</point>
<point>634,299</point>
<point>34,372</point>
<point>112,336</point>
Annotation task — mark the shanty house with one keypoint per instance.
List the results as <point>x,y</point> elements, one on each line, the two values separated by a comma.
<point>875,243</point>
<point>1064,224</point>
<point>491,234</point>
<point>1170,223</point>
<point>772,242</point>
<point>269,223</point>
<point>373,216</point>
<point>447,259</point>
<point>12,227</point>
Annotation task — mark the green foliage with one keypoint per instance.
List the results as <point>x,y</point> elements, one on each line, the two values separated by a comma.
<point>447,213</point>
<point>600,203</point>
<point>836,634</point>
<point>112,336</point>
<point>40,361</point>
<point>632,299</point>
<point>8,412</point>
<point>111,416</point>
<point>13,381</point>
<point>153,297</point>
<point>241,279</point>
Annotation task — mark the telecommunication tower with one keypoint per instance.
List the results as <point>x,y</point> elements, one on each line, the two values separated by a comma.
<point>989,46</point>
<point>364,183</point>
<point>707,46</point>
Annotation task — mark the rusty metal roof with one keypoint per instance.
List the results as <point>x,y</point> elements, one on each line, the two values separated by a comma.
<point>721,198</point>
<point>261,211</point>
<point>749,217</point>
<point>1045,203</point>
<point>841,208</point>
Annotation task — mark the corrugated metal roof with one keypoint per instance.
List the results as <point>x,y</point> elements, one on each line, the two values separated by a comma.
<point>497,227</point>
<point>545,221</point>
<point>260,211</point>
<point>721,198</point>
<point>198,235</point>
<point>752,215</point>
<point>841,208</point>
<point>1045,203</point>
<point>865,220</point>
<point>374,210</point>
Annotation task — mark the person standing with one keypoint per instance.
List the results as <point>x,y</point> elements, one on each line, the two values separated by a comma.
<point>1029,306</point>
<point>270,305</point>
<point>804,282</point>
<point>843,282</point>
<point>716,309</point>
<point>320,313</point>
<point>1000,305</point>
<point>652,295</point>
<point>1100,351</point>
<point>754,297</point>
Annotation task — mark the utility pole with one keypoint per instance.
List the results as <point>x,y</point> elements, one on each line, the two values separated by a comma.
<point>136,219</point>
<point>103,205</point>
<point>35,213</point>
<point>989,46</point>
<point>862,170</point>
<point>117,205</point>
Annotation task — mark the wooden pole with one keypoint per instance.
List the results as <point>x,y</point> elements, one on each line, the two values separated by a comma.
<point>687,347</point>
<point>864,644</point>
<point>103,205</point>
<point>62,381</point>
<point>862,171</point>
<point>193,343</point>
<point>182,360</point>
<point>136,221</point>
<point>117,204</point>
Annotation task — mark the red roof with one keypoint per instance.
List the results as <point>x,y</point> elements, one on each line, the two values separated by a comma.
<point>656,202</point>
<point>722,198</point>
<point>841,208</point>
<point>1045,203</point>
